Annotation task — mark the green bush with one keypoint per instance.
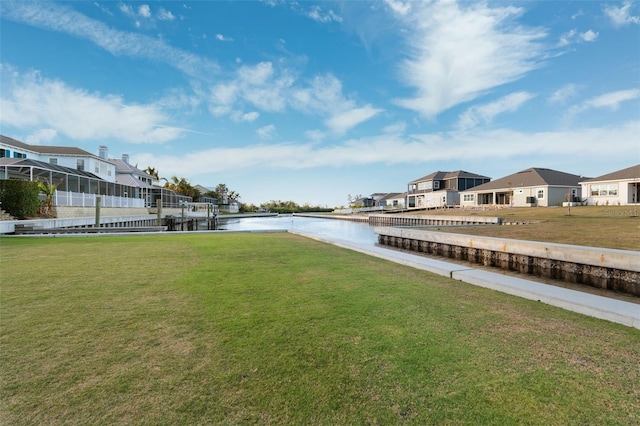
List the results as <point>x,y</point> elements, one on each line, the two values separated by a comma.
<point>19,198</point>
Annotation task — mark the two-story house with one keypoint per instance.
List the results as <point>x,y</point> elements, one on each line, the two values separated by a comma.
<point>441,189</point>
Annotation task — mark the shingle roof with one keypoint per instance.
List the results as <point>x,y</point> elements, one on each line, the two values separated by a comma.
<point>390,196</point>
<point>531,177</point>
<point>45,149</point>
<point>439,175</point>
<point>632,172</point>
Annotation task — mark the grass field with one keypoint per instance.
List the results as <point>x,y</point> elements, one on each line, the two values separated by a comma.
<point>279,329</point>
<point>595,226</point>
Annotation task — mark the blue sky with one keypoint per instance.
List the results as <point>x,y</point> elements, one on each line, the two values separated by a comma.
<point>315,101</point>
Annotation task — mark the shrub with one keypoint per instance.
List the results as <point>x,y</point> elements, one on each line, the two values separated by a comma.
<point>19,198</point>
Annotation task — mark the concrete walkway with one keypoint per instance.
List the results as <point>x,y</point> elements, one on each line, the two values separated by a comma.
<point>614,310</point>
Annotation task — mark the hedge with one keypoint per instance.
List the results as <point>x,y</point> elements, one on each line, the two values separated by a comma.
<point>19,198</point>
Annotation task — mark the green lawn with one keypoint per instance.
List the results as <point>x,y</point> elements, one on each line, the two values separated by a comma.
<point>279,329</point>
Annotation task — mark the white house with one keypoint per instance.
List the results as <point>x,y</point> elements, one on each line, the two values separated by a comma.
<point>527,188</point>
<point>392,200</point>
<point>64,156</point>
<point>621,187</point>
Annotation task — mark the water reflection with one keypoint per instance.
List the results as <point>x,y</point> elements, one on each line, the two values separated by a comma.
<point>333,228</point>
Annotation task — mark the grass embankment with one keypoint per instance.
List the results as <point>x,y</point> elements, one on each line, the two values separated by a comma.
<point>594,226</point>
<point>278,329</point>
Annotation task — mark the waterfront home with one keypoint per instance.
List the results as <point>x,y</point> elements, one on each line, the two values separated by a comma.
<point>441,189</point>
<point>81,176</point>
<point>527,188</point>
<point>621,187</point>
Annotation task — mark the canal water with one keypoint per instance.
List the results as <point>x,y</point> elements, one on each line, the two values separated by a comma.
<point>331,228</point>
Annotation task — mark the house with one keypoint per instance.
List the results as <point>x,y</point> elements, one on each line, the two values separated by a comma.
<point>527,188</point>
<point>441,189</point>
<point>140,181</point>
<point>64,156</point>
<point>206,198</point>
<point>81,176</point>
<point>392,200</point>
<point>621,187</point>
<point>364,202</point>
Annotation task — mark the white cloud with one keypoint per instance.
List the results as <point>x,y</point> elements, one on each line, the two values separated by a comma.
<point>266,132</point>
<point>40,137</point>
<point>399,7</point>
<point>460,52</point>
<point>563,94</point>
<point>317,14</point>
<point>165,15</point>
<point>567,38</point>
<point>223,38</point>
<point>58,17</point>
<point>611,101</point>
<point>589,35</point>
<point>478,114</point>
<point>269,89</point>
<point>315,135</point>
<point>621,16</point>
<point>574,37</point>
<point>144,10</point>
<point>42,106</point>
<point>393,150</point>
<point>126,9</point>
<point>396,128</point>
<point>250,116</point>
<point>341,123</point>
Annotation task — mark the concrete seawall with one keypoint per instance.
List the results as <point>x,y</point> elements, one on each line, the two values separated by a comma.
<point>617,270</point>
<point>430,220</point>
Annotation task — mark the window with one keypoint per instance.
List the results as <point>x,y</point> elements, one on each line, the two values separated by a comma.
<point>540,194</point>
<point>424,186</point>
<point>5,153</point>
<point>604,190</point>
<point>80,164</point>
<point>436,184</point>
<point>468,197</point>
<point>53,161</point>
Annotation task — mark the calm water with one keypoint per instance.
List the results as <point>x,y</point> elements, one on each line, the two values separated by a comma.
<point>334,228</point>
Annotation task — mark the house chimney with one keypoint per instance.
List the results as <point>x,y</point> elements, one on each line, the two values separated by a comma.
<point>103,152</point>
<point>125,158</point>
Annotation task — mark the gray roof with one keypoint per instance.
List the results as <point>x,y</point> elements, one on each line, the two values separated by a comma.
<point>122,167</point>
<point>530,177</point>
<point>449,175</point>
<point>128,180</point>
<point>45,149</point>
<point>202,189</point>
<point>391,196</point>
<point>28,162</point>
<point>632,172</point>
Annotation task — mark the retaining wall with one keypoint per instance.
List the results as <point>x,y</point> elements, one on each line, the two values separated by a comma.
<point>617,270</point>
<point>8,226</point>
<point>433,220</point>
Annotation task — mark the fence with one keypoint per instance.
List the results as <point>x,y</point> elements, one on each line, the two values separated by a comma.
<point>78,199</point>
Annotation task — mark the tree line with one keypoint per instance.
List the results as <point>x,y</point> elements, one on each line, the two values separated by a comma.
<point>225,196</point>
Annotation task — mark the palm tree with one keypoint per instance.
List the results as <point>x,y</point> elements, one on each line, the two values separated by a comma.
<point>49,191</point>
<point>153,172</point>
